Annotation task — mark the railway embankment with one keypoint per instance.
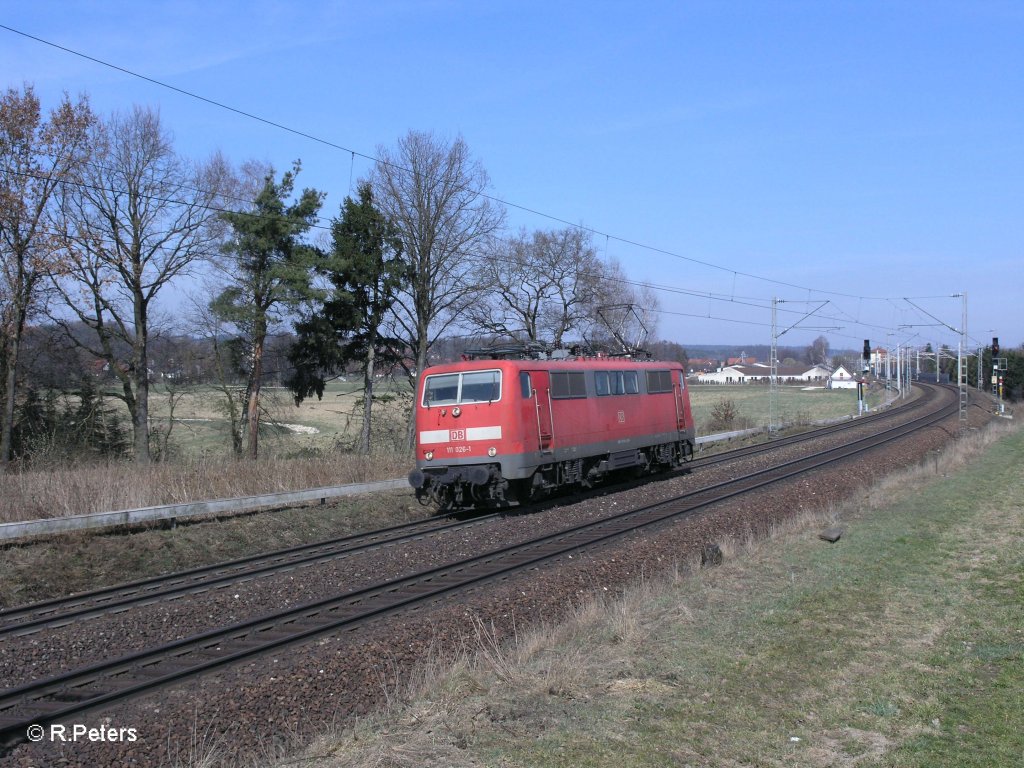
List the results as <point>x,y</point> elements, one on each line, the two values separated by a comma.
<point>253,706</point>
<point>898,645</point>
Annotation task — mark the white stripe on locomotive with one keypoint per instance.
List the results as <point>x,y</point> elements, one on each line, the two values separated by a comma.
<point>460,435</point>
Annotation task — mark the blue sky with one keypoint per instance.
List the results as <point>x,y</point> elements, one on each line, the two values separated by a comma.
<point>855,152</point>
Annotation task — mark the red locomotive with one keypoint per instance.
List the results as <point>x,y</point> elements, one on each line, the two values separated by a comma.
<point>492,431</point>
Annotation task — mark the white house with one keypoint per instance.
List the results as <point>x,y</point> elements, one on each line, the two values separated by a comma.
<point>761,372</point>
<point>817,372</point>
<point>842,379</point>
<point>731,374</point>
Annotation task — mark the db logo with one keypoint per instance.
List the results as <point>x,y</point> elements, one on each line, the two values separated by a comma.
<point>457,435</point>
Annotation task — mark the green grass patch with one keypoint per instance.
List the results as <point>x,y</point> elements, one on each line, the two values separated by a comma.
<point>898,646</point>
<point>797,405</point>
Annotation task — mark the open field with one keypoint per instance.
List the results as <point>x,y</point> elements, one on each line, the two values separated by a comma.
<point>899,645</point>
<point>797,405</point>
<point>303,447</point>
<point>200,428</point>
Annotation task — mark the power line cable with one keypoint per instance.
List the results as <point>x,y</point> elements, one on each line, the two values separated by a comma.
<point>752,302</point>
<point>354,153</point>
<point>168,200</point>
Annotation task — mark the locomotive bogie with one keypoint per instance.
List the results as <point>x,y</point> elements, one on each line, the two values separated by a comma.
<point>490,433</point>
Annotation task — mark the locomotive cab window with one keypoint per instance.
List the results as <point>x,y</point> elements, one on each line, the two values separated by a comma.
<point>441,390</point>
<point>480,387</point>
<point>460,388</point>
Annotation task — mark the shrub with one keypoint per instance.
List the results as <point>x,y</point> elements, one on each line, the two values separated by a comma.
<point>723,416</point>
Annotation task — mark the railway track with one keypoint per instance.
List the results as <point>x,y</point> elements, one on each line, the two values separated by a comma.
<point>924,401</point>
<point>89,687</point>
<point>122,597</point>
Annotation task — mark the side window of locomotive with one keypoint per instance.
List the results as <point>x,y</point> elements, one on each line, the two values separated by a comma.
<point>441,390</point>
<point>524,385</point>
<point>630,382</point>
<point>568,384</point>
<point>659,381</point>
<point>481,387</point>
<point>616,383</point>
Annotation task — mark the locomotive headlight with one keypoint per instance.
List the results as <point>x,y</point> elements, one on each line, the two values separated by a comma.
<point>456,411</point>
<point>492,451</point>
<point>429,455</point>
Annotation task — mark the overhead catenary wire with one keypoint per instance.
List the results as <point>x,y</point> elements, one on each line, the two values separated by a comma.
<point>749,301</point>
<point>173,201</point>
<point>354,153</point>
<point>594,231</point>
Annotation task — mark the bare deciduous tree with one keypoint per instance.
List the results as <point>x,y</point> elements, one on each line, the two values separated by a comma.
<point>552,287</point>
<point>36,156</point>
<point>221,367</point>
<point>142,217</point>
<point>435,194</point>
<point>817,351</point>
<point>540,286</point>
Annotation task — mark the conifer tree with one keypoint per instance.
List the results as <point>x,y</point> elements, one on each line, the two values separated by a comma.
<point>270,272</point>
<point>366,268</point>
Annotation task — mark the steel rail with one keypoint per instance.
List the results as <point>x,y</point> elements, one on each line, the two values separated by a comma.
<point>831,429</point>
<point>60,611</point>
<point>87,688</point>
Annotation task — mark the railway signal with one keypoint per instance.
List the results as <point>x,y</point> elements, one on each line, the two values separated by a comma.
<point>998,366</point>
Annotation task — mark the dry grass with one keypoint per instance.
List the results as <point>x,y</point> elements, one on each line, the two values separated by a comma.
<point>202,749</point>
<point>122,485</point>
<point>300,447</point>
<point>46,567</point>
<point>292,461</point>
